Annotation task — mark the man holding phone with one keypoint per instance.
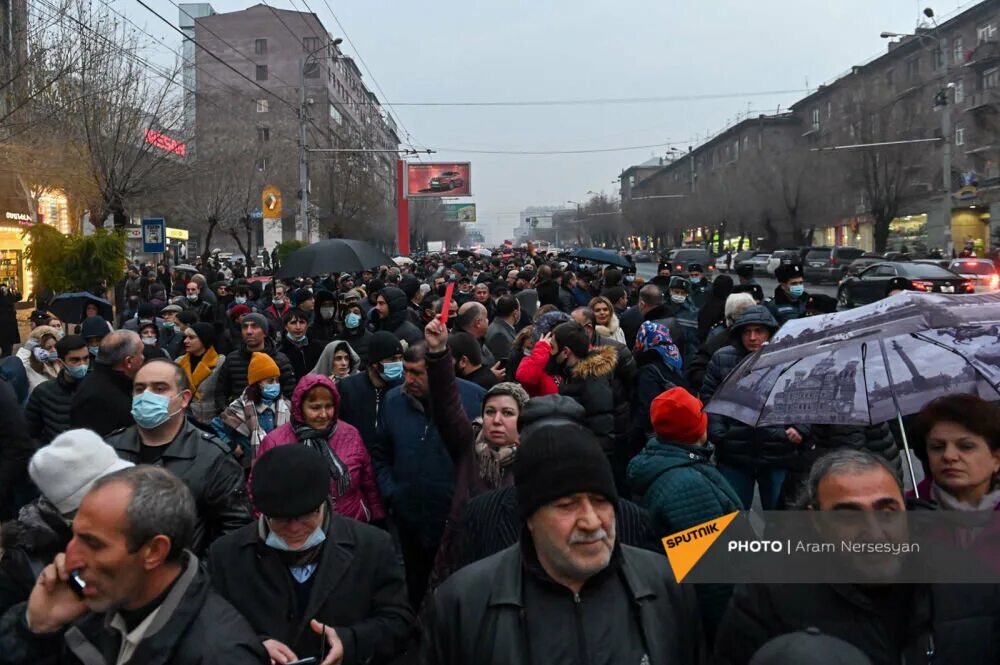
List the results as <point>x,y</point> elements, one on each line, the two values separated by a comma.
<point>128,590</point>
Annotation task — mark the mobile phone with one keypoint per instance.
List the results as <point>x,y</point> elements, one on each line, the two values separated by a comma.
<point>311,660</point>
<point>76,583</point>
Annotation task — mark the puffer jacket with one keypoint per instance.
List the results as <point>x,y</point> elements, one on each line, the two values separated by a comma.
<point>531,372</point>
<point>679,487</point>
<point>232,378</point>
<point>48,409</point>
<point>29,544</point>
<point>624,383</point>
<point>877,439</point>
<point>591,383</point>
<point>739,444</point>
<point>398,322</point>
<point>361,501</point>
<point>416,475</point>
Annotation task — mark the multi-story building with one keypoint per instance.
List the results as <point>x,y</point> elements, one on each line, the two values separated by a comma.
<point>254,115</point>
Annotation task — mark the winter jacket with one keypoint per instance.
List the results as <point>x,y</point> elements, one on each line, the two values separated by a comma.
<point>203,379</point>
<point>16,449</point>
<point>591,383</point>
<point>397,321</point>
<point>238,426</point>
<point>194,626</point>
<point>415,473</point>
<point>695,368</point>
<point>613,331</point>
<point>359,341</point>
<point>48,409</point>
<point>203,308</point>
<point>233,374</point>
<point>9,332</point>
<point>485,612</point>
<point>624,382</point>
<point>784,309</point>
<point>877,439</point>
<point>358,589</point>
<point>324,365</point>
<point>680,487</point>
<point>29,544</point>
<point>303,358</point>
<point>654,378</point>
<point>361,501</point>
<point>360,404</point>
<point>760,612</point>
<point>103,402</point>
<point>210,471</point>
<point>275,316</point>
<point>738,444</point>
<point>531,372</point>
<point>499,338</point>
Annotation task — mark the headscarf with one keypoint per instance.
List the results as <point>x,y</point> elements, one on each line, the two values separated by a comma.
<point>656,336</point>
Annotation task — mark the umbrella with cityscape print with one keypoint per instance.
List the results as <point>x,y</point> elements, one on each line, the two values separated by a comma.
<point>869,365</point>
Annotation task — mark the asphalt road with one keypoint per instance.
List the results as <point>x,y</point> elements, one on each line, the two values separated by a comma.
<point>647,270</point>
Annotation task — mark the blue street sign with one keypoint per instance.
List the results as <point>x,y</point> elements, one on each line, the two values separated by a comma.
<point>154,235</point>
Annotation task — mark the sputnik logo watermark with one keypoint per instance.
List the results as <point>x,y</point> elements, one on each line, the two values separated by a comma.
<point>685,548</point>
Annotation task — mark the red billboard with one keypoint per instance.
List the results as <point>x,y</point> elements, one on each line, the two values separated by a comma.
<point>438,179</point>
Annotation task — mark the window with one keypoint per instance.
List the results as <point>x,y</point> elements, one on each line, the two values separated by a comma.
<point>991,79</point>
<point>746,143</point>
<point>263,134</point>
<point>957,51</point>
<point>261,164</point>
<point>959,135</point>
<point>888,78</point>
<point>312,70</point>
<point>262,105</point>
<point>261,72</point>
<point>959,91</point>
<point>815,118</point>
<point>736,149</point>
<point>260,47</point>
<point>937,57</point>
<point>310,44</point>
<point>913,70</point>
<point>986,33</point>
<point>335,114</point>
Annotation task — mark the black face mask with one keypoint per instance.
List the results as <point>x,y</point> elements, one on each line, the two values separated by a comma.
<point>553,366</point>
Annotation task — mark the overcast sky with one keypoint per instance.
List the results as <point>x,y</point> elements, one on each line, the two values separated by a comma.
<point>526,50</point>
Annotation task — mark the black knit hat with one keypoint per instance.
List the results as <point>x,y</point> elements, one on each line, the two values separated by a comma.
<point>290,481</point>
<point>382,345</point>
<point>560,460</point>
<point>205,333</point>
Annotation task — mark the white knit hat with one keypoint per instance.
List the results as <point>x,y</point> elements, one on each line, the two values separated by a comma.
<point>65,469</point>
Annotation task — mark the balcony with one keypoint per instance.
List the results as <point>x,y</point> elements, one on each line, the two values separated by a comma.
<point>985,54</point>
<point>983,101</point>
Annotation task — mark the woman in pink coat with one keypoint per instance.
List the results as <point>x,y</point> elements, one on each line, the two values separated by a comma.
<point>315,423</point>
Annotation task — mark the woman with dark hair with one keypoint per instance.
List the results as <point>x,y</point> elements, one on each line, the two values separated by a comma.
<point>256,412</point>
<point>338,361</point>
<point>41,361</point>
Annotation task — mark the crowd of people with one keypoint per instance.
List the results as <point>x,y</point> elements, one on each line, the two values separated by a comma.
<point>458,460</point>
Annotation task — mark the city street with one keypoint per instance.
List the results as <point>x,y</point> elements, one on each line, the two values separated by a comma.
<point>647,270</point>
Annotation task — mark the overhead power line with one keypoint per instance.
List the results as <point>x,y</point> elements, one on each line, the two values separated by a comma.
<point>610,100</point>
<point>581,151</point>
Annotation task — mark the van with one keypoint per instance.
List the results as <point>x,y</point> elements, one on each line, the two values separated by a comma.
<point>828,264</point>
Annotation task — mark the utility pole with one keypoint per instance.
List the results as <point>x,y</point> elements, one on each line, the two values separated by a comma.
<point>302,223</point>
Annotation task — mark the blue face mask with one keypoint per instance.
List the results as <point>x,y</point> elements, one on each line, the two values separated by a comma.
<point>298,340</point>
<point>77,372</point>
<point>271,391</point>
<point>352,320</point>
<point>274,541</point>
<point>392,371</point>
<point>93,350</point>
<point>150,410</point>
<point>240,300</point>
<point>797,290</point>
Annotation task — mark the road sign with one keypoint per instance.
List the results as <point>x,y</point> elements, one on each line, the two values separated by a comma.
<point>154,233</point>
<point>459,212</point>
<point>270,202</point>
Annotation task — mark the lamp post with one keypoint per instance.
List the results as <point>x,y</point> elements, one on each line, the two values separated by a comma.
<point>302,230</point>
<point>941,100</point>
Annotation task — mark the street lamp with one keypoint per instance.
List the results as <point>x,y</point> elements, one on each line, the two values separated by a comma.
<point>302,231</point>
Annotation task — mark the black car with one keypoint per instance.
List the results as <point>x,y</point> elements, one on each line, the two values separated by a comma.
<point>828,264</point>
<point>859,264</point>
<point>872,283</point>
<point>681,258</point>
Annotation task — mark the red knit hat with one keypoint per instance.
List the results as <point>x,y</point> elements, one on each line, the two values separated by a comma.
<point>677,415</point>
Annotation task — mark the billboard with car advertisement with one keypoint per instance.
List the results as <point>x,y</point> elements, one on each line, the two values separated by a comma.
<point>438,179</point>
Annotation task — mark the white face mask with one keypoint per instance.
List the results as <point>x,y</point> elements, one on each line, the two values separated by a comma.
<point>677,299</point>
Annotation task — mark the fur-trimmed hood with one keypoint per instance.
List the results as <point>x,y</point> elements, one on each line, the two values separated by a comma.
<point>600,362</point>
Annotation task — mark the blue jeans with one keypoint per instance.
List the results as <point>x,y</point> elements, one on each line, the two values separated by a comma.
<point>743,479</point>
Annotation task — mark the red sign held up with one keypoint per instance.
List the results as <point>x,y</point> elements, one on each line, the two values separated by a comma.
<point>164,142</point>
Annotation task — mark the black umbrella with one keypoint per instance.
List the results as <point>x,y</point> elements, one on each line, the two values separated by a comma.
<point>334,255</point>
<point>69,306</point>
<point>597,255</point>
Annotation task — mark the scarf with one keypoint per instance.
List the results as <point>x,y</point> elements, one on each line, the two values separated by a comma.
<point>656,336</point>
<point>318,440</point>
<point>967,535</point>
<point>492,459</point>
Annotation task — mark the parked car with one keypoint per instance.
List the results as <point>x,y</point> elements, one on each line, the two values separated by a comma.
<point>828,264</point>
<point>735,259</point>
<point>862,262</point>
<point>896,256</point>
<point>783,257</point>
<point>759,262</point>
<point>681,258</point>
<point>447,181</point>
<point>982,271</point>
<point>642,256</point>
<point>941,263</point>
<point>872,283</point>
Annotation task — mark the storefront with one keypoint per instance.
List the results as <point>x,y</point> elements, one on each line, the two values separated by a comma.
<point>971,226</point>
<point>851,232</point>
<point>909,234</point>
<point>13,242</point>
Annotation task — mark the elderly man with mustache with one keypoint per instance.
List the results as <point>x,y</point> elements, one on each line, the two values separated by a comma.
<point>568,592</point>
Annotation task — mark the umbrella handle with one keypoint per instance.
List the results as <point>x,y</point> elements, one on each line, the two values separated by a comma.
<point>906,452</point>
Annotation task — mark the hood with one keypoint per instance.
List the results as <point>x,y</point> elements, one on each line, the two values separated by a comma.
<point>528,299</point>
<point>39,528</point>
<point>658,457</point>
<point>610,329</point>
<point>755,315</point>
<point>41,331</point>
<point>550,409</point>
<point>599,363</point>
<point>337,344</point>
<point>307,383</point>
<point>323,297</point>
<point>395,298</point>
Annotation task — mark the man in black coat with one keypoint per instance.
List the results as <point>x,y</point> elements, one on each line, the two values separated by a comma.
<point>15,450</point>
<point>569,590</point>
<point>313,571</point>
<point>302,351</point>
<point>233,373</point>
<point>103,402</point>
<point>361,394</point>
<point>160,597</point>
<point>391,313</point>
<point>163,436</point>
<point>48,407</point>
<point>9,332</point>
